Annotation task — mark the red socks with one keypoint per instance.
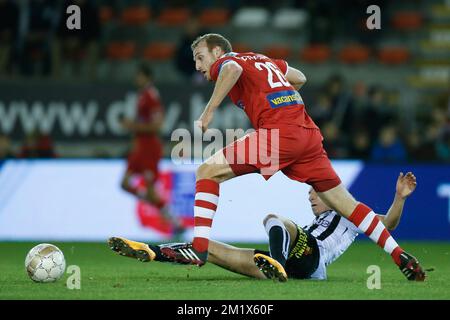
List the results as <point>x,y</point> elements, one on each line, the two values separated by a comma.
<point>367,221</point>
<point>206,199</point>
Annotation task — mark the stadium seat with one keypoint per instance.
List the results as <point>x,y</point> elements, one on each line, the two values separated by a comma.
<point>173,17</point>
<point>135,16</point>
<point>407,20</point>
<point>393,55</point>
<point>317,53</point>
<point>248,17</point>
<point>289,18</point>
<point>121,50</point>
<point>159,51</point>
<point>214,17</point>
<point>278,51</point>
<point>354,54</point>
<point>106,14</point>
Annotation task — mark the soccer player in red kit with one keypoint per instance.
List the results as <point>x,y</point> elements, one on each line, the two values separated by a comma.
<point>266,89</point>
<point>147,148</point>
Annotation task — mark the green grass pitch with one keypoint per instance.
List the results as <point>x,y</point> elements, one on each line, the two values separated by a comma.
<point>106,275</point>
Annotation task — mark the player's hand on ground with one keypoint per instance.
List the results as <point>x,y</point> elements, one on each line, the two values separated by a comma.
<point>406,184</point>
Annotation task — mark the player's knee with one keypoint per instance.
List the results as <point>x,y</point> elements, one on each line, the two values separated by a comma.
<point>124,184</point>
<point>268,217</point>
<point>213,172</point>
<point>204,171</point>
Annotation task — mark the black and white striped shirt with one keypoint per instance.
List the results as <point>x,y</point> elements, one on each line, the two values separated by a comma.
<point>333,233</point>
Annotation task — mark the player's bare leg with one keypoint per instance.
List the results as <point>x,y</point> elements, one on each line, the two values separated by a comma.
<point>126,185</point>
<point>340,199</point>
<point>150,195</point>
<point>365,219</point>
<point>208,177</point>
<point>241,260</point>
<point>153,197</point>
<point>238,260</point>
<point>215,168</point>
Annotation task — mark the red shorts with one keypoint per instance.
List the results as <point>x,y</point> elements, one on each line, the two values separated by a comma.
<point>143,162</point>
<point>296,151</point>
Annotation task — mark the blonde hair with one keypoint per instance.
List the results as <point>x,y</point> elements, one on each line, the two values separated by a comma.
<point>213,40</point>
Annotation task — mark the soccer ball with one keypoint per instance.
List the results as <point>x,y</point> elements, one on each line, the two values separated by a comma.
<point>45,263</point>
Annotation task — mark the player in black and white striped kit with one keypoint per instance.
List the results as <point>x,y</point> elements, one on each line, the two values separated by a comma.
<point>332,233</point>
<point>295,252</point>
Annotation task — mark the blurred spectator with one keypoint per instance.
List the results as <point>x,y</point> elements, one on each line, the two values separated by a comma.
<point>183,55</point>
<point>349,114</point>
<point>392,103</point>
<point>359,93</point>
<point>355,119</point>
<point>9,17</point>
<point>341,104</point>
<point>389,147</point>
<point>320,26</point>
<point>5,148</point>
<point>375,115</point>
<point>443,145</point>
<point>333,142</point>
<point>78,48</point>
<point>321,112</point>
<point>37,24</point>
<point>37,146</point>
<point>420,149</point>
<point>360,144</point>
<point>438,116</point>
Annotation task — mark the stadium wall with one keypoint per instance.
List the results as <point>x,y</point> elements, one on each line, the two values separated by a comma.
<point>74,112</point>
<point>80,200</point>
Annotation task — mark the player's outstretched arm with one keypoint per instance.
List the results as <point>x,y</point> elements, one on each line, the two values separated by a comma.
<point>228,77</point>
<point>296,78</point>
<point>406,184</point>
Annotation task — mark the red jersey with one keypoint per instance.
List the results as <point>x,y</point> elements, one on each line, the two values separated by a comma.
<point>148,106</point>
<point>263,91</point>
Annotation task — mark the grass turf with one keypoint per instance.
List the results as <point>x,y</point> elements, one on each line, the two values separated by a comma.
<point>106,275</point>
